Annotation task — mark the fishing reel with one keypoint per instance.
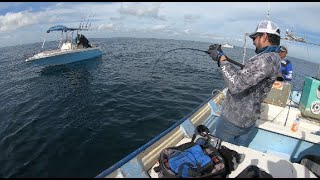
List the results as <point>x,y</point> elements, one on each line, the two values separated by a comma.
<point>202,136</point>
<point>214,47</point>
<point>217,51</point>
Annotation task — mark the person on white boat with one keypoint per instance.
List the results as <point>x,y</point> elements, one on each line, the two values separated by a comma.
<point>82,40</point>
<point>286,66</point>
<point>247,87</point>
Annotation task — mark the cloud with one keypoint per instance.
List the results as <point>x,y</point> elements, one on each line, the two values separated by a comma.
<point>109,27</point>
<point>7,37</point>
<point>191,18</point>
<point>159,28</point>
<point>211,36</point>
<point>148,10</point>
<point>13,21</point>
<point>202,21</point>
<point>186,31</point>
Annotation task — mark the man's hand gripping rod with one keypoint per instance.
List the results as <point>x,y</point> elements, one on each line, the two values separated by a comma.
<point>227,58</point>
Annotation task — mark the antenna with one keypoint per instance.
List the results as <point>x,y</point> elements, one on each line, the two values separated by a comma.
<point>91,19</point>
<point>268,14</point>
<point>88,20</point>
<point>244,47</point>
<point>82,18</point>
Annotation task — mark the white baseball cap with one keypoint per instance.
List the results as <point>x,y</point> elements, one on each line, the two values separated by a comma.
<point>266,27</point>
<point>284,48</point>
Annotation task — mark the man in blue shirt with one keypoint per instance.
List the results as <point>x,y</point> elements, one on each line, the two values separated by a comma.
<point>286,66</point>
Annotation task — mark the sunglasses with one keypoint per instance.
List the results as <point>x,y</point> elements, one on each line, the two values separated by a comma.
<point>254,38</point>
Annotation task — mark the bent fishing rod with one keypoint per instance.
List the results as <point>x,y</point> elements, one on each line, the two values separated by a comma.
<point>207,52</point>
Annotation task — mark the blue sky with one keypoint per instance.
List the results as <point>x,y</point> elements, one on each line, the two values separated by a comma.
<point>215,22</point>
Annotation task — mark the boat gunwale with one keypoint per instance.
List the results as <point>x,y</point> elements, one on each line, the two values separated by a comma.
<point>151,142</point>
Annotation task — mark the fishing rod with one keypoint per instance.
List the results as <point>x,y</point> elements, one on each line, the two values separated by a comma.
<point>207,52</point>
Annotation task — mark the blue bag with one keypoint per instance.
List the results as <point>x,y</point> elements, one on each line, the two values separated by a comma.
<point>192,158</point>
<point>199,158</point>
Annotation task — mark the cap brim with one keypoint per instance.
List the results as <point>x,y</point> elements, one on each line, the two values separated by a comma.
<point>283,49</point>
<point>252,35</point>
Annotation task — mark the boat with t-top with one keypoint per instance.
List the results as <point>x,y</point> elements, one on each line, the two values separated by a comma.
<point>73,46</point>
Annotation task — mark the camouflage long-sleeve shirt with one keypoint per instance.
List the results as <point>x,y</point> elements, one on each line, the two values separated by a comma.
<point>248,87</point>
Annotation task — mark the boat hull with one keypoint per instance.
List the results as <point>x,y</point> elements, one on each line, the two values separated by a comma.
<point>271,143</point>
<point>227,46</point>
<point>58,57</point>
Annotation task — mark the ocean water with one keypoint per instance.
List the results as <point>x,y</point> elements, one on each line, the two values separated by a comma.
<point>76,120</point>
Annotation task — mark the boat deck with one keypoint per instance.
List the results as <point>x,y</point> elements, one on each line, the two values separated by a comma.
<point>280,120</point>
<point>276,119</point>
<point>276,166</point>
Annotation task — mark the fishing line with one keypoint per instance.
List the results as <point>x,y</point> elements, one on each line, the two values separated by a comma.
<point>171,51</point>
<point>207,52</point>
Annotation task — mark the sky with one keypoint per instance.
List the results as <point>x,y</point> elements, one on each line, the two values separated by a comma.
<point>214,22</point>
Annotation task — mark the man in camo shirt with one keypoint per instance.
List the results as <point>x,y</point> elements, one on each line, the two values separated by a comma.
<point>248,87</point>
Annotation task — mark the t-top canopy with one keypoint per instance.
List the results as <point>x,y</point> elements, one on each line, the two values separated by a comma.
<point>63,28</point>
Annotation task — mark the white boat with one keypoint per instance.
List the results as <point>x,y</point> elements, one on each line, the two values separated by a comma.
<point>69,49</point>
<point>226,45</point>
<point>279,145</point>
<point>275,147</point>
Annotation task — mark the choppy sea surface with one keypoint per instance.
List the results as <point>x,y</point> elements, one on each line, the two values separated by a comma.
<point>76,120</point>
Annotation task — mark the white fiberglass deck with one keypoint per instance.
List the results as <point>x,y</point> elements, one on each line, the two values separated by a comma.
<point>280,120</point>
<point>276,166</point>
